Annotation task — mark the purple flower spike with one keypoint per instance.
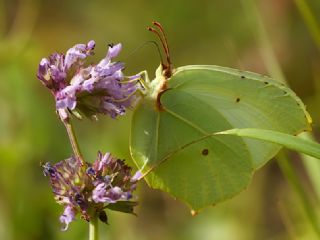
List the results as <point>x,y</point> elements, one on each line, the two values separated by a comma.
<point>91,188</point>
<point>91,90</point>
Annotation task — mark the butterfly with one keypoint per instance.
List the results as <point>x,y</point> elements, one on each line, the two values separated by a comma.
<point>173,140</point>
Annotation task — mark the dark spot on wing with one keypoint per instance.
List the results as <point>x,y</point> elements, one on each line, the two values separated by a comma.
<point>238,100</point>
<point>285,92</point>
<point>266,83</point>
<point>243,77</point>
<point>205,152</point>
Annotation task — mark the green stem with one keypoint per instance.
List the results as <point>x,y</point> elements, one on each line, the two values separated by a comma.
<point>73,141</point>
<point>266,49</point>
<point>309,20</point>
<point>2,18</point>
<point>288,170</point>
<point>276,72</point>
<point>93,228</point>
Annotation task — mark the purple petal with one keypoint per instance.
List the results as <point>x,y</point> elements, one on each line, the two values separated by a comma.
<point>88,85</point>
<point>43,73</point>
<point>104,161</point>
<point>105,68</point>
<point>66,98</point>
<point>115,193</point>
<point>102,164</point>
<point>57,70</point>
<point>78,52</point>
<point>66,102</point>
<point>137,176</point>
<point>51,72</point>
<point>101,194</point>
<point>91,44</point>
<point>134,77</point>
<point>114,51</point>
<point>98,194</point>
<point>67,217</point>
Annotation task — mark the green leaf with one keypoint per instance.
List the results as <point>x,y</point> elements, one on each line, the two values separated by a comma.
<point>292,142</point>
<point>123,206</point>
<point>170,137</point>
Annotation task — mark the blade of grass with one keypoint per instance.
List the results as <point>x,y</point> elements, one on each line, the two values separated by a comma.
<point>309,19</point>
<point>288,170</point>
<point>3,21</point>
<point>312,165</point>
<point>274,68</point>
<point>266,49</point>
<point>294,143</point>
<point>286,140</point>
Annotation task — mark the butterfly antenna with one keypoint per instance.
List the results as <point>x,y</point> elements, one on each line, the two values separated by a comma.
<point>142,45</point>
<point>160,33</point>
<point>151,29</point>
<point>167,50</point>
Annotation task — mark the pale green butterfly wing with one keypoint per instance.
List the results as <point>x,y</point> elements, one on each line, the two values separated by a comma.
<point>194,168</point>
<point>246,100</point>
<point>189,163</point>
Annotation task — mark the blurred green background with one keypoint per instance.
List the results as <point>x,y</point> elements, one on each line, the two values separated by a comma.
<point>226,33</point>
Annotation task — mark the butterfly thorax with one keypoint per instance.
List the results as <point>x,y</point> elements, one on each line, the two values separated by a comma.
<point>156,87</point>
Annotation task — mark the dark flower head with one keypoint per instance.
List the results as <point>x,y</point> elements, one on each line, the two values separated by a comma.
<point>88,90</point>
<point>89,189</point>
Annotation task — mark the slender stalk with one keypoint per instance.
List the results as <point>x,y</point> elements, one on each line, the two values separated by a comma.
<point>73,141</point>
<point>288,170</point>
<point>311,164</point>
<point>275,70</point>
<point>3,19</point>
<point>310,20</point>
<point>93,228</point>
<point>266,49</point>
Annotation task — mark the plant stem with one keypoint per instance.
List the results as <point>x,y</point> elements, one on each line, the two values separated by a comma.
<point>73,141</point>
<point>311,164</point>
<point>310,20</point>
<point>266,49</point>
<point>276,72</point>
<point>93,228</point>
<point>288,170</point>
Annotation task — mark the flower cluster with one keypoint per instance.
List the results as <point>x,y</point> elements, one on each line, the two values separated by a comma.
<point>90,188</point>
<point>88,90</point>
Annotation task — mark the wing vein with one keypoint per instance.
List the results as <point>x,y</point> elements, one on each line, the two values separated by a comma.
<point>186,121</point>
